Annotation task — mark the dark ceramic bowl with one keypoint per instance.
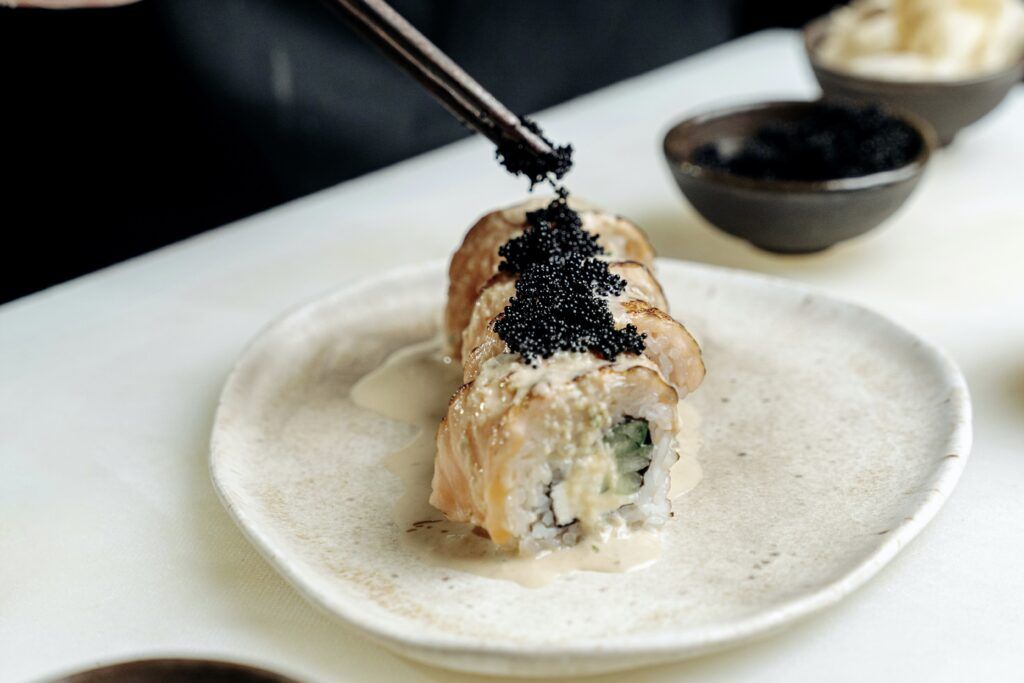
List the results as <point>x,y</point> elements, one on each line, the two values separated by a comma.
<point>175,671</point>
<point>947,105</point>
<point>785,216</point>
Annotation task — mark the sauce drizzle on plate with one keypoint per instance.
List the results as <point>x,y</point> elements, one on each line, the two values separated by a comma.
<point>413,386</point>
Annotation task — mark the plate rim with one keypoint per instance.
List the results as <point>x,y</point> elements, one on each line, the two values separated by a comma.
<point>662,645</point>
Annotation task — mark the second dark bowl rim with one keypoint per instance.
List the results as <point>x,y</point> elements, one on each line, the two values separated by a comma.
<point>815,29</point>
<point>912,168</point>
<point>132,667</point>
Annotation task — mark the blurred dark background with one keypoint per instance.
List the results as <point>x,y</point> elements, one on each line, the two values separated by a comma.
<point>126,129</point>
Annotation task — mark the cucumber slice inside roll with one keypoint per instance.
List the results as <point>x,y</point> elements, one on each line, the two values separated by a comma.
<point>630,444</point>
<point>633,430</point>
<point>635,460</point>
<point>629,483</point>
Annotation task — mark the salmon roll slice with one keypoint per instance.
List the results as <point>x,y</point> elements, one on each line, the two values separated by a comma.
<point>476,260</point>
<point>542,456</point>
<point>640,285</point>
<point>668,345</point>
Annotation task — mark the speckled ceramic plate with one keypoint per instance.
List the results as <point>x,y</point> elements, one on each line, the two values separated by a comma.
<point>831,437</point>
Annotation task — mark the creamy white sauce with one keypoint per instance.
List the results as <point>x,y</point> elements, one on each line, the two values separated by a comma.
<point>686,473</point>
<point>414,386</point>
<point>561,368</point>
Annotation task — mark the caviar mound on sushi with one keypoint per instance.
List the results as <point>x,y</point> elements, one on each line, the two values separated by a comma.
<point>477,260</point>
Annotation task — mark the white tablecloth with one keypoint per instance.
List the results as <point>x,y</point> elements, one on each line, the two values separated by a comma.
<point>114,545</point>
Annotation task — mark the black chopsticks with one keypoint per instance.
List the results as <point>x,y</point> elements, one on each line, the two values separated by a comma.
<point>453,87</point>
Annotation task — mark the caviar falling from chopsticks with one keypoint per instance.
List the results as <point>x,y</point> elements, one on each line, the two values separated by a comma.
<point>560,302</point>
<point>519,160</point>
<point>553,231</point>
<point>834,141</point>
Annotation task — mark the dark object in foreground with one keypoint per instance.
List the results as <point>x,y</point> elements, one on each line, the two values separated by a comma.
<point>175,671</point>
<point>786,216</point>
<point>831,141</point>
<point>948,105</point>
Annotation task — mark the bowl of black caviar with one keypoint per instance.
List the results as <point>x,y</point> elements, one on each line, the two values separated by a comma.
<point>798,177</point>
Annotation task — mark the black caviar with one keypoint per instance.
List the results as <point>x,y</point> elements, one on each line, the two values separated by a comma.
<point>559,303</point>
<point>519,160</point>
<point>831,141</point>
<point>553,231</point>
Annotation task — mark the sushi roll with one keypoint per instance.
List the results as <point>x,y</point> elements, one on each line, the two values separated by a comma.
<point>477,260</point>
<point>668,344</point>
<point>542,457</point>
<point>565,427</point>
<point>496,294</point>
